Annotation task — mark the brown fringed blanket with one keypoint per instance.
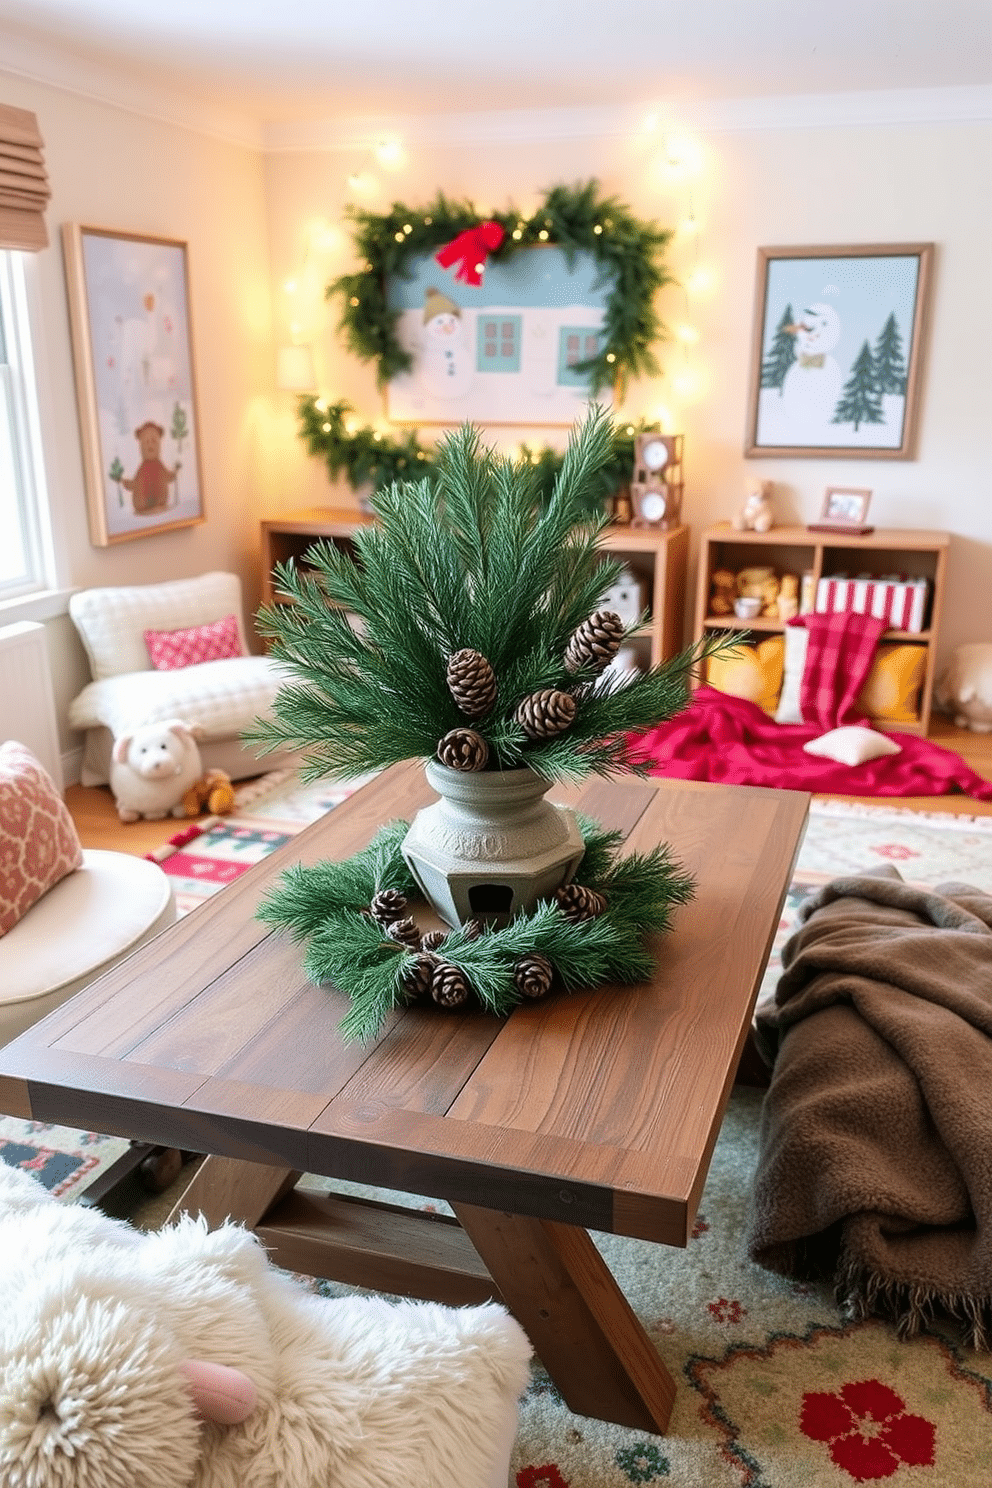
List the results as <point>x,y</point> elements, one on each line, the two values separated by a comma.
<point>875,1163</point>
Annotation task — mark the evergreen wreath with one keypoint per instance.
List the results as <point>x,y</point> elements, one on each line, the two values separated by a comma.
<point>368,456</point>
<point>349,914</point>
<point>628,252</point>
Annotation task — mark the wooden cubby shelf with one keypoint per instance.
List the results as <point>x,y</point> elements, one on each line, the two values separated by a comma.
<point>880,554</point>
<point>657,556</point>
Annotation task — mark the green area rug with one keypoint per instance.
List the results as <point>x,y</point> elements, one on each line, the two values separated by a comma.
<point>775,1388</point>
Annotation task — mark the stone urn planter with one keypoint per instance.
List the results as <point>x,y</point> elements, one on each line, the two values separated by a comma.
<point>492,846</point>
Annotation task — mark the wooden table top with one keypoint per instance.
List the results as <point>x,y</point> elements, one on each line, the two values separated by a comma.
<point>598,1108</point>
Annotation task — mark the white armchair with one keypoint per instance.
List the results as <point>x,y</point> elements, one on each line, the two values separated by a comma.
<point>223,697</point>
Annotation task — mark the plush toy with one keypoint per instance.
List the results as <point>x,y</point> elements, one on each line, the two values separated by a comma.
<point>152,768</point>
<point>756,513</point>
<point>723,591</point>
<point>769,597</point>
<point>183,1358</point>
<point>788,597</point>
<point>965,688</point>
<point>213,792</point>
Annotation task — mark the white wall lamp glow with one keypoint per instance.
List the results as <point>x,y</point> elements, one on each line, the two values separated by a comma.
<point>295,371</point>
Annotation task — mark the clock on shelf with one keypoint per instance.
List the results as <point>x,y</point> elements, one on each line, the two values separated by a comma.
<point>656,488</point>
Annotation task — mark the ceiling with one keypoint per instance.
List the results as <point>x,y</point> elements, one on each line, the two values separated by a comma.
<point>299,60</point>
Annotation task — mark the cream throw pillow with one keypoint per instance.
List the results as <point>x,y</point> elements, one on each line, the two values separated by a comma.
<point>796,642</point>
<point>852,745</point>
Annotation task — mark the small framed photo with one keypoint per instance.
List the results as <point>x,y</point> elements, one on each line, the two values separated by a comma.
<point>845,509</point>
<point>132,350</point>
<point>837,352</point>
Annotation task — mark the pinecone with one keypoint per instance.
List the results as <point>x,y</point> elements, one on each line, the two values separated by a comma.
<point>579,903</point>
<point>432,939</point>
<point>532,975</point>
<point>405,933</point>
<point>463,749</point>
<point>546,713</point>
<point>388,905</point>
<point>595,642</point>
<point>472,929</point>
<point>471,682</point>
<point>449,987</point>
<point>419,975</point>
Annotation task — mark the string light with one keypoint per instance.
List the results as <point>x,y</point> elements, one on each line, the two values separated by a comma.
<point>390,153</point>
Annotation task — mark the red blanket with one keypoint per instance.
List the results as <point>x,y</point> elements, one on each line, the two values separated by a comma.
<point>727,739</point>
<point>839,654</point>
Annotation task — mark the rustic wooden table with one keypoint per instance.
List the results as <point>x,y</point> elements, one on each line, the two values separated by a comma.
<point>598,1110</point>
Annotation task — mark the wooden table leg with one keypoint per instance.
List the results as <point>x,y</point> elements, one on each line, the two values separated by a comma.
<point>227,1188</point>
<point>561,1291</point>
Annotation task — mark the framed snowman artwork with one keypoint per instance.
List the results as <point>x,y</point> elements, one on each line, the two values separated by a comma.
<point>837,352</point>
<point>508,350</point>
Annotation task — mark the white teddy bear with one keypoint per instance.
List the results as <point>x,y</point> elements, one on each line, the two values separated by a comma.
<point>965,688</point>
<point>184,1359</point>
<point>756,513</point>
<point>152,768</point>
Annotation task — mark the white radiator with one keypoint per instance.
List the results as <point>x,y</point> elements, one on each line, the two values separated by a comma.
<point>27,706</point>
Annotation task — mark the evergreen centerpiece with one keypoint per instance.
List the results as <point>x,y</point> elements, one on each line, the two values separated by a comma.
<point>467,630</point>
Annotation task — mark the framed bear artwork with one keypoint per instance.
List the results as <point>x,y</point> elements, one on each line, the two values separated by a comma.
<point>132,350</point>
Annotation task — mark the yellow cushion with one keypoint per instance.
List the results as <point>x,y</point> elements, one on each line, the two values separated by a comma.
<point>892,688</point>
<point>754,673</point>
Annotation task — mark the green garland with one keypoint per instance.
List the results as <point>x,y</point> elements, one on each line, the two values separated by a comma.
<point>627,252</point>
<point>368,457</point>
<point>327,905</point>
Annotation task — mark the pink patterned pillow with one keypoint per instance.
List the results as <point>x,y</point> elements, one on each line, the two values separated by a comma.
<point>172,649</point>
<point>38,841</point>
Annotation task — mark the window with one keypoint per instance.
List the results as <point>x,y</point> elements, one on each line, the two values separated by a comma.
<point>575,344</point>
<point>499,343</point>
<point>23,565</point>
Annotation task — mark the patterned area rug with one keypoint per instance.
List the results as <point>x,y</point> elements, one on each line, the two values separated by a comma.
<point>775,1388</point>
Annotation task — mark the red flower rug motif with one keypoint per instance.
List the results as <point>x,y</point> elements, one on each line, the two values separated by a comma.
<point>842,1406</point>
<point>868,1429</point>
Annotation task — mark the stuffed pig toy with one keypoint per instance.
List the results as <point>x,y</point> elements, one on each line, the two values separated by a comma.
<point>183,1359</point>
<point>152,768</point>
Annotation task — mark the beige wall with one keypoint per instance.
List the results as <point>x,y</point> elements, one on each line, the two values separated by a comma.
<point>112,168</point>
<point>765,187</point>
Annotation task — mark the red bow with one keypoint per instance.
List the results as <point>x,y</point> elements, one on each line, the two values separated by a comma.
<point>471,246</point>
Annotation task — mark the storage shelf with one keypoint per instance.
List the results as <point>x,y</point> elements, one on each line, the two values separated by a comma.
<point>910,552</point>
<point>764,623</point>
<point>657,555</point>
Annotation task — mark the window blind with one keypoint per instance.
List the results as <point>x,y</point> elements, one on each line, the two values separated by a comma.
<point>24,189</point>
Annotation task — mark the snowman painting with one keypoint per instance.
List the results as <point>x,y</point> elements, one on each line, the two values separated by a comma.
<point>813,382</point>
<point>445,360</point>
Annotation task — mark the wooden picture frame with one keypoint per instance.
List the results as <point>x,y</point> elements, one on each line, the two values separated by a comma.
<point>129,315</point>
<point>845,509</point>
<point>837,350</point>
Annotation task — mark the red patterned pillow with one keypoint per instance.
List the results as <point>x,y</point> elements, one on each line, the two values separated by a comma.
<point>172,649</point>
<point>38,840</point>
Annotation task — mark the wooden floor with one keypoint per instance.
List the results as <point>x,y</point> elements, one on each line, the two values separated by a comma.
<point>98,825</point>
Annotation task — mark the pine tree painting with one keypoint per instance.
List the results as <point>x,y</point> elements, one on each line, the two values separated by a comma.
<point>781,353</point>
<point>890,365</point>
<point>179,432</point>
<point>116,473</point>
<point>860,402</point>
